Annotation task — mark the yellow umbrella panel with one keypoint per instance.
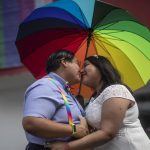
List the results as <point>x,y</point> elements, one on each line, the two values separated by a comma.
<point>128,52</point>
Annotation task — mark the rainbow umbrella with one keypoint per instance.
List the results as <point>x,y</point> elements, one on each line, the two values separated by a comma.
<point>86,27</point>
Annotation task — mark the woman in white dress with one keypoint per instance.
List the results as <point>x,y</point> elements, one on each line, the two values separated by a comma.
<point>112,112</point>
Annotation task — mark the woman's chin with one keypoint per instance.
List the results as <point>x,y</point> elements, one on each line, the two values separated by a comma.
<point>85,82</point>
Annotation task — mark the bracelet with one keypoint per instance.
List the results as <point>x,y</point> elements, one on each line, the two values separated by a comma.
<point>74,130</point>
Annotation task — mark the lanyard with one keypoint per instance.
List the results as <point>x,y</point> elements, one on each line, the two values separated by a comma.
<point>66,102</point>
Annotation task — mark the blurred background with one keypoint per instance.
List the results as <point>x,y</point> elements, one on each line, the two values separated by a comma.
<point>15,78</point>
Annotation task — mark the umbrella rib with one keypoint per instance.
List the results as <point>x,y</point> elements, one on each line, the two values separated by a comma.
<point>108,44</point>
<point>63,46</point>
<point>66,36</point>
<point>82,43</point>
<point>106,26</point>
<point>84,19</point>
<point>63,37</point>
<point>74,41</point>
<point>105,42</point>
<point>94,44</point>
<point>102,46</point>
<point>123,54</point>
<point>77,41</point>
<point>129,43</point>
<point>111,24</point>
<point>73,35</point>
<point>117,38</point>
<point>114,38</point>
<point>121,30</point>
<point>117,31</point>
<point>76,20</point>
<point>75,17</point>
<point>102,19</point>
<point>124,41</point>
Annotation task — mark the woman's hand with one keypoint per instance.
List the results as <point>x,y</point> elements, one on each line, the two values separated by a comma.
<point>58,146</point>
<point>82,128</point>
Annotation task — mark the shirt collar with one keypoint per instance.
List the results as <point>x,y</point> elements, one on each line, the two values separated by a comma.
<point>59,79</point>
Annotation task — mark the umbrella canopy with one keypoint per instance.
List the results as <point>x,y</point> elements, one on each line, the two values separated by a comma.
<point>86,27</point>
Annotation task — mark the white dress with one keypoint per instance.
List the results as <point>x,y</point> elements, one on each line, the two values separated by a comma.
<point>131,136</point>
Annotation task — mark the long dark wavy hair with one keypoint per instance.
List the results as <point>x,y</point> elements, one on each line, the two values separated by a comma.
<point>109,74</point>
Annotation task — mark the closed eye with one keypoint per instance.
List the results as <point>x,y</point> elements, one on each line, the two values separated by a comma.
<point>85,65</point>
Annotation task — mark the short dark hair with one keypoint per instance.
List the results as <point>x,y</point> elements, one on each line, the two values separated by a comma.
<point>109,74</point>
<point>55,59</point>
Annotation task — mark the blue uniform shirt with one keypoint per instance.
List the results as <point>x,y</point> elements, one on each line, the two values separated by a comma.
<point>43,99</point>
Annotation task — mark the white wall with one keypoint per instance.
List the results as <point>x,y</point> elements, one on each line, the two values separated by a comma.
<point>11,103</point>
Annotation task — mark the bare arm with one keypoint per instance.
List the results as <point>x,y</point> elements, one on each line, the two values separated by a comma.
<point>49,129</point>
<point>113,112</point>
<point>46,128</point>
